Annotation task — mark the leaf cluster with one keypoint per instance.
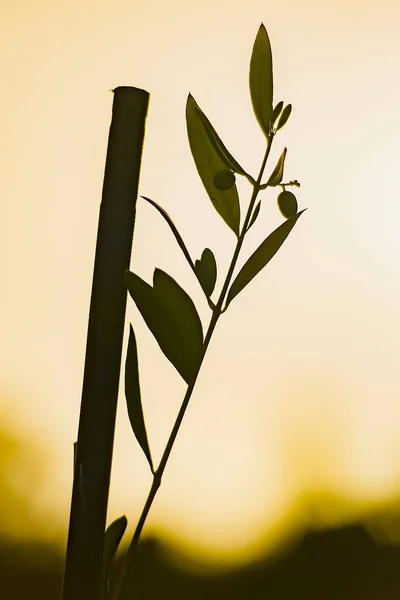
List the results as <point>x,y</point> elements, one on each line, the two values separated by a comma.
<point>165,306</point>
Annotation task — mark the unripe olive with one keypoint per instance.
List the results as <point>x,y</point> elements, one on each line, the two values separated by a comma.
<point>224,179</point>
<point>287,204</point>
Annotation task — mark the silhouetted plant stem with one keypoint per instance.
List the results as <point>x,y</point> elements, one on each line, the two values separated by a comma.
<point>94,448</point>
<point>128,560</point>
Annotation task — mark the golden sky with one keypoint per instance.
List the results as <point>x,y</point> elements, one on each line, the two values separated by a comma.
<point>299,394</point>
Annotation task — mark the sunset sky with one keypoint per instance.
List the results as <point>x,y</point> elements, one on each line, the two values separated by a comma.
<point>296,415</point>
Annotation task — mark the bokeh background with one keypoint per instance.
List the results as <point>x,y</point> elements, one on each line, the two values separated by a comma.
<point>295,421</point>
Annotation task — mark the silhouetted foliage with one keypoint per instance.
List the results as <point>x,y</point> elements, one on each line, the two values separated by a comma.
<point>340,564</point>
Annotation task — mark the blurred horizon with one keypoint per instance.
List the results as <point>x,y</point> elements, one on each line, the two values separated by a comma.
<point>295,418</point>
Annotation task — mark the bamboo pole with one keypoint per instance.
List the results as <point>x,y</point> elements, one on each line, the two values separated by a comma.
<point>104,346</point>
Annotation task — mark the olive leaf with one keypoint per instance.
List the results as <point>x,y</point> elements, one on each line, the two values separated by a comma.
<point>206,270</point>
<point>261,80</point>
<point>284,116</point>
<point>219,146</point>
<point>112,538</point>
<point>171,316</point>
<point>178,239</point>
<point>209,163</point>
<point>133,397</point>
<point>184,312</point>
<point>174,229</point>
<point>255,214</point>
<point>277,111</point>
<point>277,173</point>
<point>261,257</point>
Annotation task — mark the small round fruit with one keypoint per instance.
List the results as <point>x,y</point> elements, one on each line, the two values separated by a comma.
<point>287,204</point>
<point>224,179</point>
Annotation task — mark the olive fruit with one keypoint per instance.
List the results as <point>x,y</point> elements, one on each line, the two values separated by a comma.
<point>287,204</point>
<point>224,179</point>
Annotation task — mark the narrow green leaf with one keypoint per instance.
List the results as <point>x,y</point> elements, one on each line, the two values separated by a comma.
<point>261,256</point>
<point>177,235</point>
<point>171,317</point>
<point>277,111</point>
<point>157,318</point>
<point>133,397</point>
<point>112,538</point>
<point>219,146</point>
<point>206,270</point>
<point>185,315</point>
<point>261,80</point>
<point>209,163</point>
<point>174,229</point>
<point>277,173</point>
<point>255,214</point>
<point>284,116</point>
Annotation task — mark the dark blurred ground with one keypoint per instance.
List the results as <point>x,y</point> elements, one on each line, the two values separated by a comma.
<point>339,564</point>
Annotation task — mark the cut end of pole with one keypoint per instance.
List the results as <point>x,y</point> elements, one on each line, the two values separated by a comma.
<point>128,89</point>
